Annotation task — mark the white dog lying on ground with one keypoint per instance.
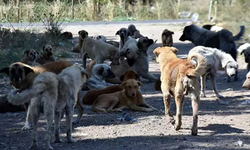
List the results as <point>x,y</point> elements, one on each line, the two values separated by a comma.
<point>100,72</point>
<point>216,60</point>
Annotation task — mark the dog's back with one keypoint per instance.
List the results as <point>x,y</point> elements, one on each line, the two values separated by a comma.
<point>92,95</point>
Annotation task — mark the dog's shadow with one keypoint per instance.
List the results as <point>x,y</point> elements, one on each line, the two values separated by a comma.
<point>222,129</point>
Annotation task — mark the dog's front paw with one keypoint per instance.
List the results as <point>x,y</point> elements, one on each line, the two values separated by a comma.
<point>58,140</point>
<point>49,148</point>
<point>203,94</point>
<point>26,127</point>
<point>194,131</point>
<point>178,127</point>
<point>219,96</point>
<point>171,120</point>
<point>33,147</point>
<point>71,140</point>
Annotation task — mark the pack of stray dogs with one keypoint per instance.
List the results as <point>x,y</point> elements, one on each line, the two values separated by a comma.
<point>53,87</point>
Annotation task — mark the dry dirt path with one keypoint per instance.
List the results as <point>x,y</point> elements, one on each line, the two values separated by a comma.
<point>220,126</point>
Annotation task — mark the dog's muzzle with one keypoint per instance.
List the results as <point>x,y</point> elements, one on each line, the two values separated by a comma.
<point>49,53</point>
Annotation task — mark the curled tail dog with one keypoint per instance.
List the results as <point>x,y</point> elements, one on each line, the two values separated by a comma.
<point>201,65</point>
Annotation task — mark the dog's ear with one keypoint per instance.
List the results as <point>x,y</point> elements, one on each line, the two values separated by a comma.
<point>124,84</point>
<point>118,32</point>
<point>243,52</point>
<point>27,70</point>
<point>79,32</point>
<point>129,33</point>
<point>157,51</point>
<point>175,50</point>
<point>140,83</point>
<point>100,71</point>
<point>140,45</point>
<point>26,52</point>
<point>5,70</point>
<point>87,33</point>
<point>151,41</point>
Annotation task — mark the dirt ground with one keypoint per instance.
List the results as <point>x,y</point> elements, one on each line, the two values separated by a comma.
<point>222,127</point>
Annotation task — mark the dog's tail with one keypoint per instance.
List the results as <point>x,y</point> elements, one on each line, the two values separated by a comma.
<point>26,95</point>
<point>201,65</point>
<point>239,35</point>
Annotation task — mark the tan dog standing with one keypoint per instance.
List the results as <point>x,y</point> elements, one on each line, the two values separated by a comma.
<point>46,55</point>
<point>128,97</point>
<point>96,50</point>
<point>179,78</point>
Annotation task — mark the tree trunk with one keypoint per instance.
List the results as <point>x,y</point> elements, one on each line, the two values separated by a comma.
<point>72,9</point>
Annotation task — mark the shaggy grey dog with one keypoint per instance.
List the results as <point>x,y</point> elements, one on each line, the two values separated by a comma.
<point>55,93</point>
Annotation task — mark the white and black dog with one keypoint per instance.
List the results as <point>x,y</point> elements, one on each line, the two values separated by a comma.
<point>100,72</point>
<point>223,39</point>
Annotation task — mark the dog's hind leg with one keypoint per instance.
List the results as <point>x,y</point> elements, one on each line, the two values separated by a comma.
<point>69,118</point>
<point>34,108</point>
<point>213,81</point>
<point>79,107</point>
<point>179,100</point>
<point>194,94</point>
<point>167,102</point>
<point>57,126</point>
<point>112,105</point>
<point>27,125</point>
<point>49,113</point>
<point>203,85</point>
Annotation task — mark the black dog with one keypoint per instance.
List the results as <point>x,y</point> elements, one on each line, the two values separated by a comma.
<point>223,40</point>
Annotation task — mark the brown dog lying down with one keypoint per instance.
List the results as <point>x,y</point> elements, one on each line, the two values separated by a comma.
<point>128,97</point>
<point>30,57</point>
<point>22,76</point>
<point>179,78</point>
<point>46,56</point>
<point>92,95</point>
